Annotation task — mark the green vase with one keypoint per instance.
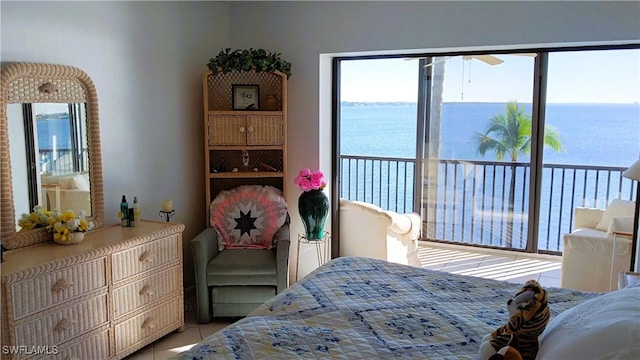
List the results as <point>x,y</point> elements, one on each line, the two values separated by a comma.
<point>313,207</point>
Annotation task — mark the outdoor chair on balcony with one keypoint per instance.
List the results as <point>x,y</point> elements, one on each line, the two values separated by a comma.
<point>589,261</point>
<point>369,231</point>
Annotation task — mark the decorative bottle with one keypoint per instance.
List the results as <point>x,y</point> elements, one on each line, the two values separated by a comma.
<point>136,210</point>
<point>124,210</point>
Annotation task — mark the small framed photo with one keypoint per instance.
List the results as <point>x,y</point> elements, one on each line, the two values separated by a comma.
<point>245,97</point>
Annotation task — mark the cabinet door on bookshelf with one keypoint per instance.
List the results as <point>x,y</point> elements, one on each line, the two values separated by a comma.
<point>264,130</point>
<point>227,130</point>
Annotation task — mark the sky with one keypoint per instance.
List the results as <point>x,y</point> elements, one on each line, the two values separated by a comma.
<point>605,76</point>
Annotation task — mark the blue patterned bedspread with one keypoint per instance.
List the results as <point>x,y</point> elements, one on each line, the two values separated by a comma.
<point>360,308</point>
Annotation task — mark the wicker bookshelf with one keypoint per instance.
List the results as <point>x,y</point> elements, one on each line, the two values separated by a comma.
<point>229,133</point>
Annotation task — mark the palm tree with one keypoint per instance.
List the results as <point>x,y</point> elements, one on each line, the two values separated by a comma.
<point>510,134</point>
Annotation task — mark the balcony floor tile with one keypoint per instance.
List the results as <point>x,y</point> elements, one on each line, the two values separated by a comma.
<point>490,263</point>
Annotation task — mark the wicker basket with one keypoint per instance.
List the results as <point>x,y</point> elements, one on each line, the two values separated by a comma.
<point>72,238</point>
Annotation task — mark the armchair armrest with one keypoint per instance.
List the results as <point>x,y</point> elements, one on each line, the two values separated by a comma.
<point>405,224</point>
<point>204,248</point>
<point>282,256</point>
<point>586,217</point>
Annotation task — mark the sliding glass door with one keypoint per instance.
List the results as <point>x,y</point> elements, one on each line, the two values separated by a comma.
<point>475,187</point>
<point>593,101</point>
<point>492,150</point>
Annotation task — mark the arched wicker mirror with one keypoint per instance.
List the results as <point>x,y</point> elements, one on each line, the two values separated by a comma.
<point>30,83</point>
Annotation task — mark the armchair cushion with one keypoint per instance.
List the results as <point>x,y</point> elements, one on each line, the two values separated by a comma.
<point>75,181</point>
<point>243,267</point>
<point>585,217</point>
<point>248,217</point>
<point>617,208</point>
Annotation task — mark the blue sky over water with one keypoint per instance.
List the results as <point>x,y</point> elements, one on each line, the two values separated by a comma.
<point>605,76</point>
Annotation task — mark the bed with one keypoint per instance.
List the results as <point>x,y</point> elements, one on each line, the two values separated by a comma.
<point>361,308</point>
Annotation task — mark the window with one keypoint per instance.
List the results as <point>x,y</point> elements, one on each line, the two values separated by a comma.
<point>482,124</point>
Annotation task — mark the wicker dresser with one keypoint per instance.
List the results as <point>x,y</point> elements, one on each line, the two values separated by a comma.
<point>256,137</point>
<point>117,291</point>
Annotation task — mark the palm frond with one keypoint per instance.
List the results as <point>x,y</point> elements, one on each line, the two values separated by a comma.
<point>510,133</point>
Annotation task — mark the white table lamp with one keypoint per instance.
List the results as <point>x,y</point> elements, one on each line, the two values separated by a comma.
<point>633,173</point>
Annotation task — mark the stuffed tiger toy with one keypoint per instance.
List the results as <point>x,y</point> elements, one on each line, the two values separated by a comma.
<point>529,313</point>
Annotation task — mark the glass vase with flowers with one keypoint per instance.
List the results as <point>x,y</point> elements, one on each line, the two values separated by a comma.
<point>313,203</point>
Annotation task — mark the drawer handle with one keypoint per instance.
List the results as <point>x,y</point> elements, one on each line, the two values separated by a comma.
<point>64,324</point>
<point>146,256</point>
<point>242,129</point>
<point>61,285</point>
<point>250,128</point>
<point>146,290</point>
<point>149,323</point>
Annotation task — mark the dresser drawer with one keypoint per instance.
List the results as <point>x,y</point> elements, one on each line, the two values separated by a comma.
<point>39,293</point>
<point>57,327</point>
<point>145,257</point>
<point>132,296</point>
<point>95,346</point>
<point>150,323</point>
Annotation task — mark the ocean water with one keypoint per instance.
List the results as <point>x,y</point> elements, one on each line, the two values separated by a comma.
<point>48,127</point>
<point>592,134</point>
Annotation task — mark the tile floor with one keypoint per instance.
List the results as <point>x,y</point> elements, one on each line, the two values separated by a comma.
<point>492,264</point>
<point>486,263</point>
<point>174,343</point>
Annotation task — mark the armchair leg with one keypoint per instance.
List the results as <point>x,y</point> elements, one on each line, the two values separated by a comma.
<point>203,308</point>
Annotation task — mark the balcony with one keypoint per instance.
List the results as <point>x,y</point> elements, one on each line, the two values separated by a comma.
<point>63,160</point>
<point>483,203</point>
<point>494,264</point>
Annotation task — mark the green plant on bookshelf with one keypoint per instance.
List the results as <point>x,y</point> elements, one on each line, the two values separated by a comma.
<point>247,60</point>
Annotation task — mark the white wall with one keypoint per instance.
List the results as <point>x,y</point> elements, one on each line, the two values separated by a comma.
<point>146,60</point>
<point>303,31</point>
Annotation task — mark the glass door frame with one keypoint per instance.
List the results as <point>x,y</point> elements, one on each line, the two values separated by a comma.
<point>425,79</point>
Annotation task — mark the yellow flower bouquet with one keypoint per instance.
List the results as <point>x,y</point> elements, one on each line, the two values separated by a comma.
<point>39,218</point>
<point>67,224</point>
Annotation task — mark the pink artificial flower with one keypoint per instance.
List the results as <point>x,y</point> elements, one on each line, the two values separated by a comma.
<point>308,180</point>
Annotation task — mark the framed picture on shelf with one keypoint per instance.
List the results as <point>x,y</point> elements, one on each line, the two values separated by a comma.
<point>245,97</point>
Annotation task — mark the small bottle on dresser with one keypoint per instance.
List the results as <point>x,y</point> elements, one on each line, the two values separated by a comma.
<point>124,210</point>
<point>131,220</point>
<point>136,209</point>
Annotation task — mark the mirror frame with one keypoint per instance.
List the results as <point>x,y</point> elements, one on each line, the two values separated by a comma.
<point>37,82</point>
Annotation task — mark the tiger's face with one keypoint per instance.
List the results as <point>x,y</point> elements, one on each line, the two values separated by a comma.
<point>537,301</point>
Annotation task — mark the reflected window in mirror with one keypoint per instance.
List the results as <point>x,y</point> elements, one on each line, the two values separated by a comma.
<point>51,158</point>
<point>33,83</point>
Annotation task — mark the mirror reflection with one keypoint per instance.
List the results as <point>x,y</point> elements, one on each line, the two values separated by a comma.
<point>52,159</point>
<point>49,157</point>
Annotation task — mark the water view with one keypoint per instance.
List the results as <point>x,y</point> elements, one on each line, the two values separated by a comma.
<point>605,135</point>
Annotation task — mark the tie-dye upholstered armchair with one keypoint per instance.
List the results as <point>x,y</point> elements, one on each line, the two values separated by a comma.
<point>241,259</point>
